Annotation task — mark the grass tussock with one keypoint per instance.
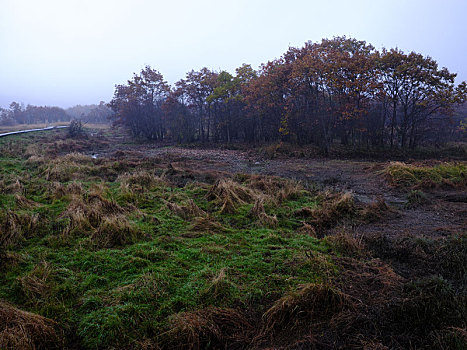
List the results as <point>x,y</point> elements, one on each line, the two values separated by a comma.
<point>211,327</point>
<point>14,227</point>
<point>445,175</point>
<point>59,190</point>
<point>35,285</point>
<point>206,224</point>
<point>259,213</point>
<point>375,211</point>
<point>273,188</point>
<point>190,210</point>
<point>116,231</point>
<point>334,208</point>
<point>139,181</point>
<point>312,303</point>
<point>25,330</point>
<point>77,166</point>
<point>24,203</point>
<point>230,194</point>
<point>346,244</point>
<point>88,211</point>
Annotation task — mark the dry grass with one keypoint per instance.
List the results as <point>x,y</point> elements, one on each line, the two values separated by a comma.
<point>452,175</point>
<point>307,229</point>
<point>273,187</point>
<point>375,211</point>
<point>14,187</point>
<point>230,194</point>
<point>35,284</point>
<point>85,214</point>
<point>206,224</point>
<point>115,231</point>
<point>259,213</point>
<point>58,190</point>
<point>139,181</point>
<point>26,331</point>
<point>346,243</point>
<point>24,203</point>
<point>334,208</point>
<point>104,220</point>
<point>312,303</point>
<point>187,211</point>
<point>13,227</point>
<point>213,327</point>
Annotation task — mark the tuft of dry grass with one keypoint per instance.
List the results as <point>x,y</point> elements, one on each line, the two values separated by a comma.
<point>85,214</point>
<point>13,227</point>
<point>213,327</point>
<point>35,284</point>
<point>307,229</point>
<point>206,224</point>
<point>59,190</point>
<point>334,208</point>
<point>187,211</point>
<point>230,194</point>
<point>312,303</point>
<point>115,231</point>
<point>139,181</point>
<point>258,212</point>
<point>375,211</point>
<point>24,203</point>
<point>346,244</point>
<point>26,331</point>
<point>15,187</point>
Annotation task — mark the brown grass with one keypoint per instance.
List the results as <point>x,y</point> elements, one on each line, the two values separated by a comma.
<point>26,331</point>
<point>213,327</point>
<point>85,214</point>
<point>312,303</point>
<point>206,224</point>
<point>334,208</point>
<point>259,213</point>
<point>187,211</point>
<point>346,244</point>
<point>13,227</point>
<point>115,231</point>
<point>36,283</point>
<point>24,203</point>
<point>59,190</point>
<point>139,181</point>
<point>230,194</point>
<point>375,211</point>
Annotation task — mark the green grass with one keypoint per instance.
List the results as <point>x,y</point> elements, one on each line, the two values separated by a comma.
<point>451,174</point>
<point>115,296</point>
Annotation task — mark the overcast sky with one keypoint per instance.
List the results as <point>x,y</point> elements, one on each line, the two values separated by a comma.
<point>68,52</point>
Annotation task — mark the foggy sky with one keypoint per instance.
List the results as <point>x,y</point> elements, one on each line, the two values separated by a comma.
<point>68,52</point>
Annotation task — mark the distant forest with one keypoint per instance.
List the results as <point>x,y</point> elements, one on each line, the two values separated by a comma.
<point>19,114</point>
<point>339,90</point>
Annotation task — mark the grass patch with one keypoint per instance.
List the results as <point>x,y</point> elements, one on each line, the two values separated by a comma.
<point>444,174</point>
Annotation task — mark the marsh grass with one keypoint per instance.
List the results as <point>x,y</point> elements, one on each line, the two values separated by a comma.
<point>445,175</point>
<point>128,252</point>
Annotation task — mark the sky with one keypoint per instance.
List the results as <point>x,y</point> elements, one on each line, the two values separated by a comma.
<point>68,52</point>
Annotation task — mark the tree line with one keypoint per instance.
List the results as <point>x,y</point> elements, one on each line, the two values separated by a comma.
<point>19,114</point>
<point>337,90</point>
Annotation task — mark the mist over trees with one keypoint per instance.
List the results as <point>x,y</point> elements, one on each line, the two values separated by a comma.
<point>339,90</point>
<point>19,114</point>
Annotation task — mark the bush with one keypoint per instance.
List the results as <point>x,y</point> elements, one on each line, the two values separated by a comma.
<point>76,129</point>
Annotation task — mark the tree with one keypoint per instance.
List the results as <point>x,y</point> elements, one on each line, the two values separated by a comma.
<point>137,104</point>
